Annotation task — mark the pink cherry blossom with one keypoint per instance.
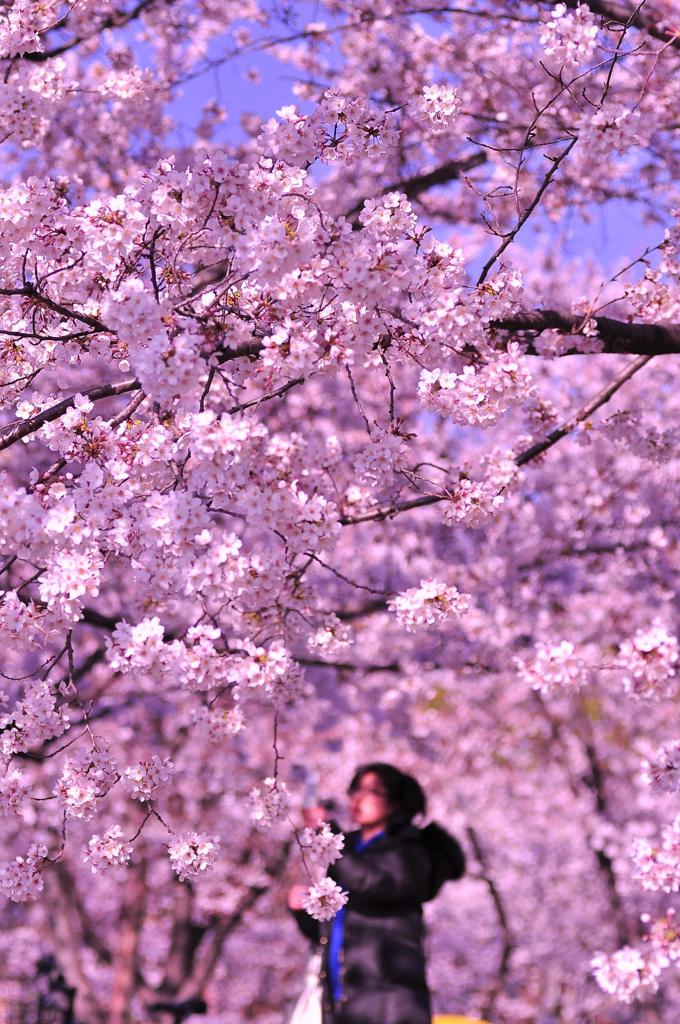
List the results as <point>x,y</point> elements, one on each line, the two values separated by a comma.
<point>323,899</point>
<point>338,421</point>
<point>192,853</point>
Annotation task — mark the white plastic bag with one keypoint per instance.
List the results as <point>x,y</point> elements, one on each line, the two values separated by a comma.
<point>308,1009</point>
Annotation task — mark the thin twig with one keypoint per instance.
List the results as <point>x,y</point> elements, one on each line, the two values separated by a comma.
<point>583,413</point>
<point>266,398</point>
<point>356,399</point>
<point>346,579</point>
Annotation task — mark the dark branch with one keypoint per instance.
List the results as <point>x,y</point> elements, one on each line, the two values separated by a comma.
<point>377,515</point>
<point>508,942</point>
<point>419,183</point>
<point>583,413</point>
<point>117,19</point>
<point>617,335</point>
<point>413,187</point>
<point>622,14</point>
<point>30,292</point>
<point>20,430</point>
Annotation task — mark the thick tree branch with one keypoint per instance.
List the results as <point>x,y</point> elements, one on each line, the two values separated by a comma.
<point>419,183</point>
<point>595,783</point>
<point>29,291</point>
<point>125,957</point>
<point>116,19</point>
<point>186,936</point>
<point>392,510</point>
<point>348,666</point>
<point>217,937</point>
<point>617,336</point>
<point>67,939</point>
<point>630,16</point>
<point>72,899</point>
<point>30,426</point>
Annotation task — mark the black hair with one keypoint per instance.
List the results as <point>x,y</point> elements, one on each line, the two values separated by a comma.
<point>404,793</point>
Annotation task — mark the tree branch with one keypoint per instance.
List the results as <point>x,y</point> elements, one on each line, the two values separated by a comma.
<point>595,783</point>
<point>67,940</point>
<point>509,237</point>
<point>583,413</point>
<point>131,915</point>
<point>617,335</point>
<point>623,15</point>
<point>521,460</point>
<point>499,906</point>
<point>29,291</point>
<point>392,510</point>
<point>226,926</point>
<point>117,19</point>
<point>20,430</point>
<point>419,183</point>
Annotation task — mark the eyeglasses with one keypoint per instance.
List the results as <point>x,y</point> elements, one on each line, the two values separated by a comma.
<point>367,791</point>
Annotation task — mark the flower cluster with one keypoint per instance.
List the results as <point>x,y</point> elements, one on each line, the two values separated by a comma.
<point>19,29</point>
<point>611,128</point>
<point>323,899</point>
<point>195,662</point>
<point>570,36</point>
<point>430,604</point>
<point>662,771</point>
<point>658,867</point>
<point>110,850</point>
<point>331,636</point>
<point>471,502</point>
<point>145,777</point>
<point>85,777</point>
<point>378,461</point>
<point>13,789</point>
<point>437,108</point>
<point>19,619</point>
<point>269,802</point>
<point>218,723</point>
<point>340,129</point>
<point>321,845</point>
<point>73,574</point>
<point>631,973</point>
<point>21,879</point>
<point>270,669</point>
<point>191,853</point>
<point>648,663</point>
<point>663,937</point>
<point>553,667</point>
<point>353,127</point>
<point>626,973</point>
<point>478,395</point>
<point>76,791</point>
<point>389,217</point>
<point>658,446</point>
<point>35,718</point>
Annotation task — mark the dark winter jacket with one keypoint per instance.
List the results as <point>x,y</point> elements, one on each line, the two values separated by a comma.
<point>383,967</point>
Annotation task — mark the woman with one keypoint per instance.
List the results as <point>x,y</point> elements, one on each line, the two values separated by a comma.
<point>373,967</point>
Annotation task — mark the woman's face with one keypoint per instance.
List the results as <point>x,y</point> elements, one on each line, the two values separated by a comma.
<point>369,805</point>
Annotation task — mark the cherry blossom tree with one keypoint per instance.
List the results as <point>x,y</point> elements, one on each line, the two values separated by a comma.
<point>319,446</point>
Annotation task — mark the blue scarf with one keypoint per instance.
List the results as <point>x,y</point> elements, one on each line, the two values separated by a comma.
<point>337,933</point>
